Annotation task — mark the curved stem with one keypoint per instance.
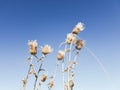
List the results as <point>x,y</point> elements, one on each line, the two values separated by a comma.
<point>37,75</point>
<point>56,69</point>
<point>63,78</point>
<point>98,61</point>
<point>61,44</point>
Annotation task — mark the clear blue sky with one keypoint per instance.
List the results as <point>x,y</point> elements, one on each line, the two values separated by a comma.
<point>49,21</point>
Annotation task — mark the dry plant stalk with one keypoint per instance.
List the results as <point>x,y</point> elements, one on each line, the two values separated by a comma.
<point>33,45</point>
<point>72,42</point>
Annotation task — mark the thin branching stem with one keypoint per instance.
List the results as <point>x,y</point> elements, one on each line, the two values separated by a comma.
<point>61,44</point>
<point>36,57</point>
<point>37,75</point>
<point>27,76</point>
<point>56,69</point>
<point>40,59</point>
<point>69,59</point>
<point>63,76</point>
<point>75,59</point>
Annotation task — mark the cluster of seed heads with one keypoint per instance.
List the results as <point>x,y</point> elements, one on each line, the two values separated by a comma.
<point>70,41</point>
<point>33,50</point>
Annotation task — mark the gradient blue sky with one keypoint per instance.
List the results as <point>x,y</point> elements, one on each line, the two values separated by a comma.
<point>49,21</point>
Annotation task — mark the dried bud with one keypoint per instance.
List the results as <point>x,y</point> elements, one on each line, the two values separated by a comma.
<point>73,74</point>
<point>75,31</point>
<point>71,38</point>
<point>31,65</point>
<point>75,62</point>
<point>61,55</point>
<point>71,83</point>
<point>51,84</point>
<point>46,49</point>
<point>24,81</point>
<point>43,78</point>
<point>79,44</point>
<point>79,27</point>
<point>33,47</point>
<point>66,70</point>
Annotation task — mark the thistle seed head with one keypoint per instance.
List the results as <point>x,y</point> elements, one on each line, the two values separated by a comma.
<point>79,44</point>
<point>71,38</point>
<point>46,49</point>
<point>33,47</point>
<point>78,28</point>
<point>43,78</point>
<point>60,55</point>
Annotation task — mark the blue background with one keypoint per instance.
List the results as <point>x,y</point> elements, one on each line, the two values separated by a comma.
<point>48,21</point>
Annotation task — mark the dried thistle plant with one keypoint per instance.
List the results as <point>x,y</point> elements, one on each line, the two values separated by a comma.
<point>66,55</point>
<point>33,45</point>
<point>71,42</point>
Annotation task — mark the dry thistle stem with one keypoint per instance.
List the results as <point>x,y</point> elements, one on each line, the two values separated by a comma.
<point>60,55</point>
<point>43,78</point>
<point>46,50</point>
<point>79,44</point>
<point>71,38</point>
<point>78,28</point>
<point>36,76</point>
<point>70,41</point>
<point>33,47</point>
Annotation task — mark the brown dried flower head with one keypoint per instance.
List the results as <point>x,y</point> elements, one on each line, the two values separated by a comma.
<point>46,49</point>
<point>33,47</point>
<point>60,55</point>
<point>79,27</point>
<point>71,38</point>
<point>43,78</point>
<point>79,44</point>
<point>71,83</point>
